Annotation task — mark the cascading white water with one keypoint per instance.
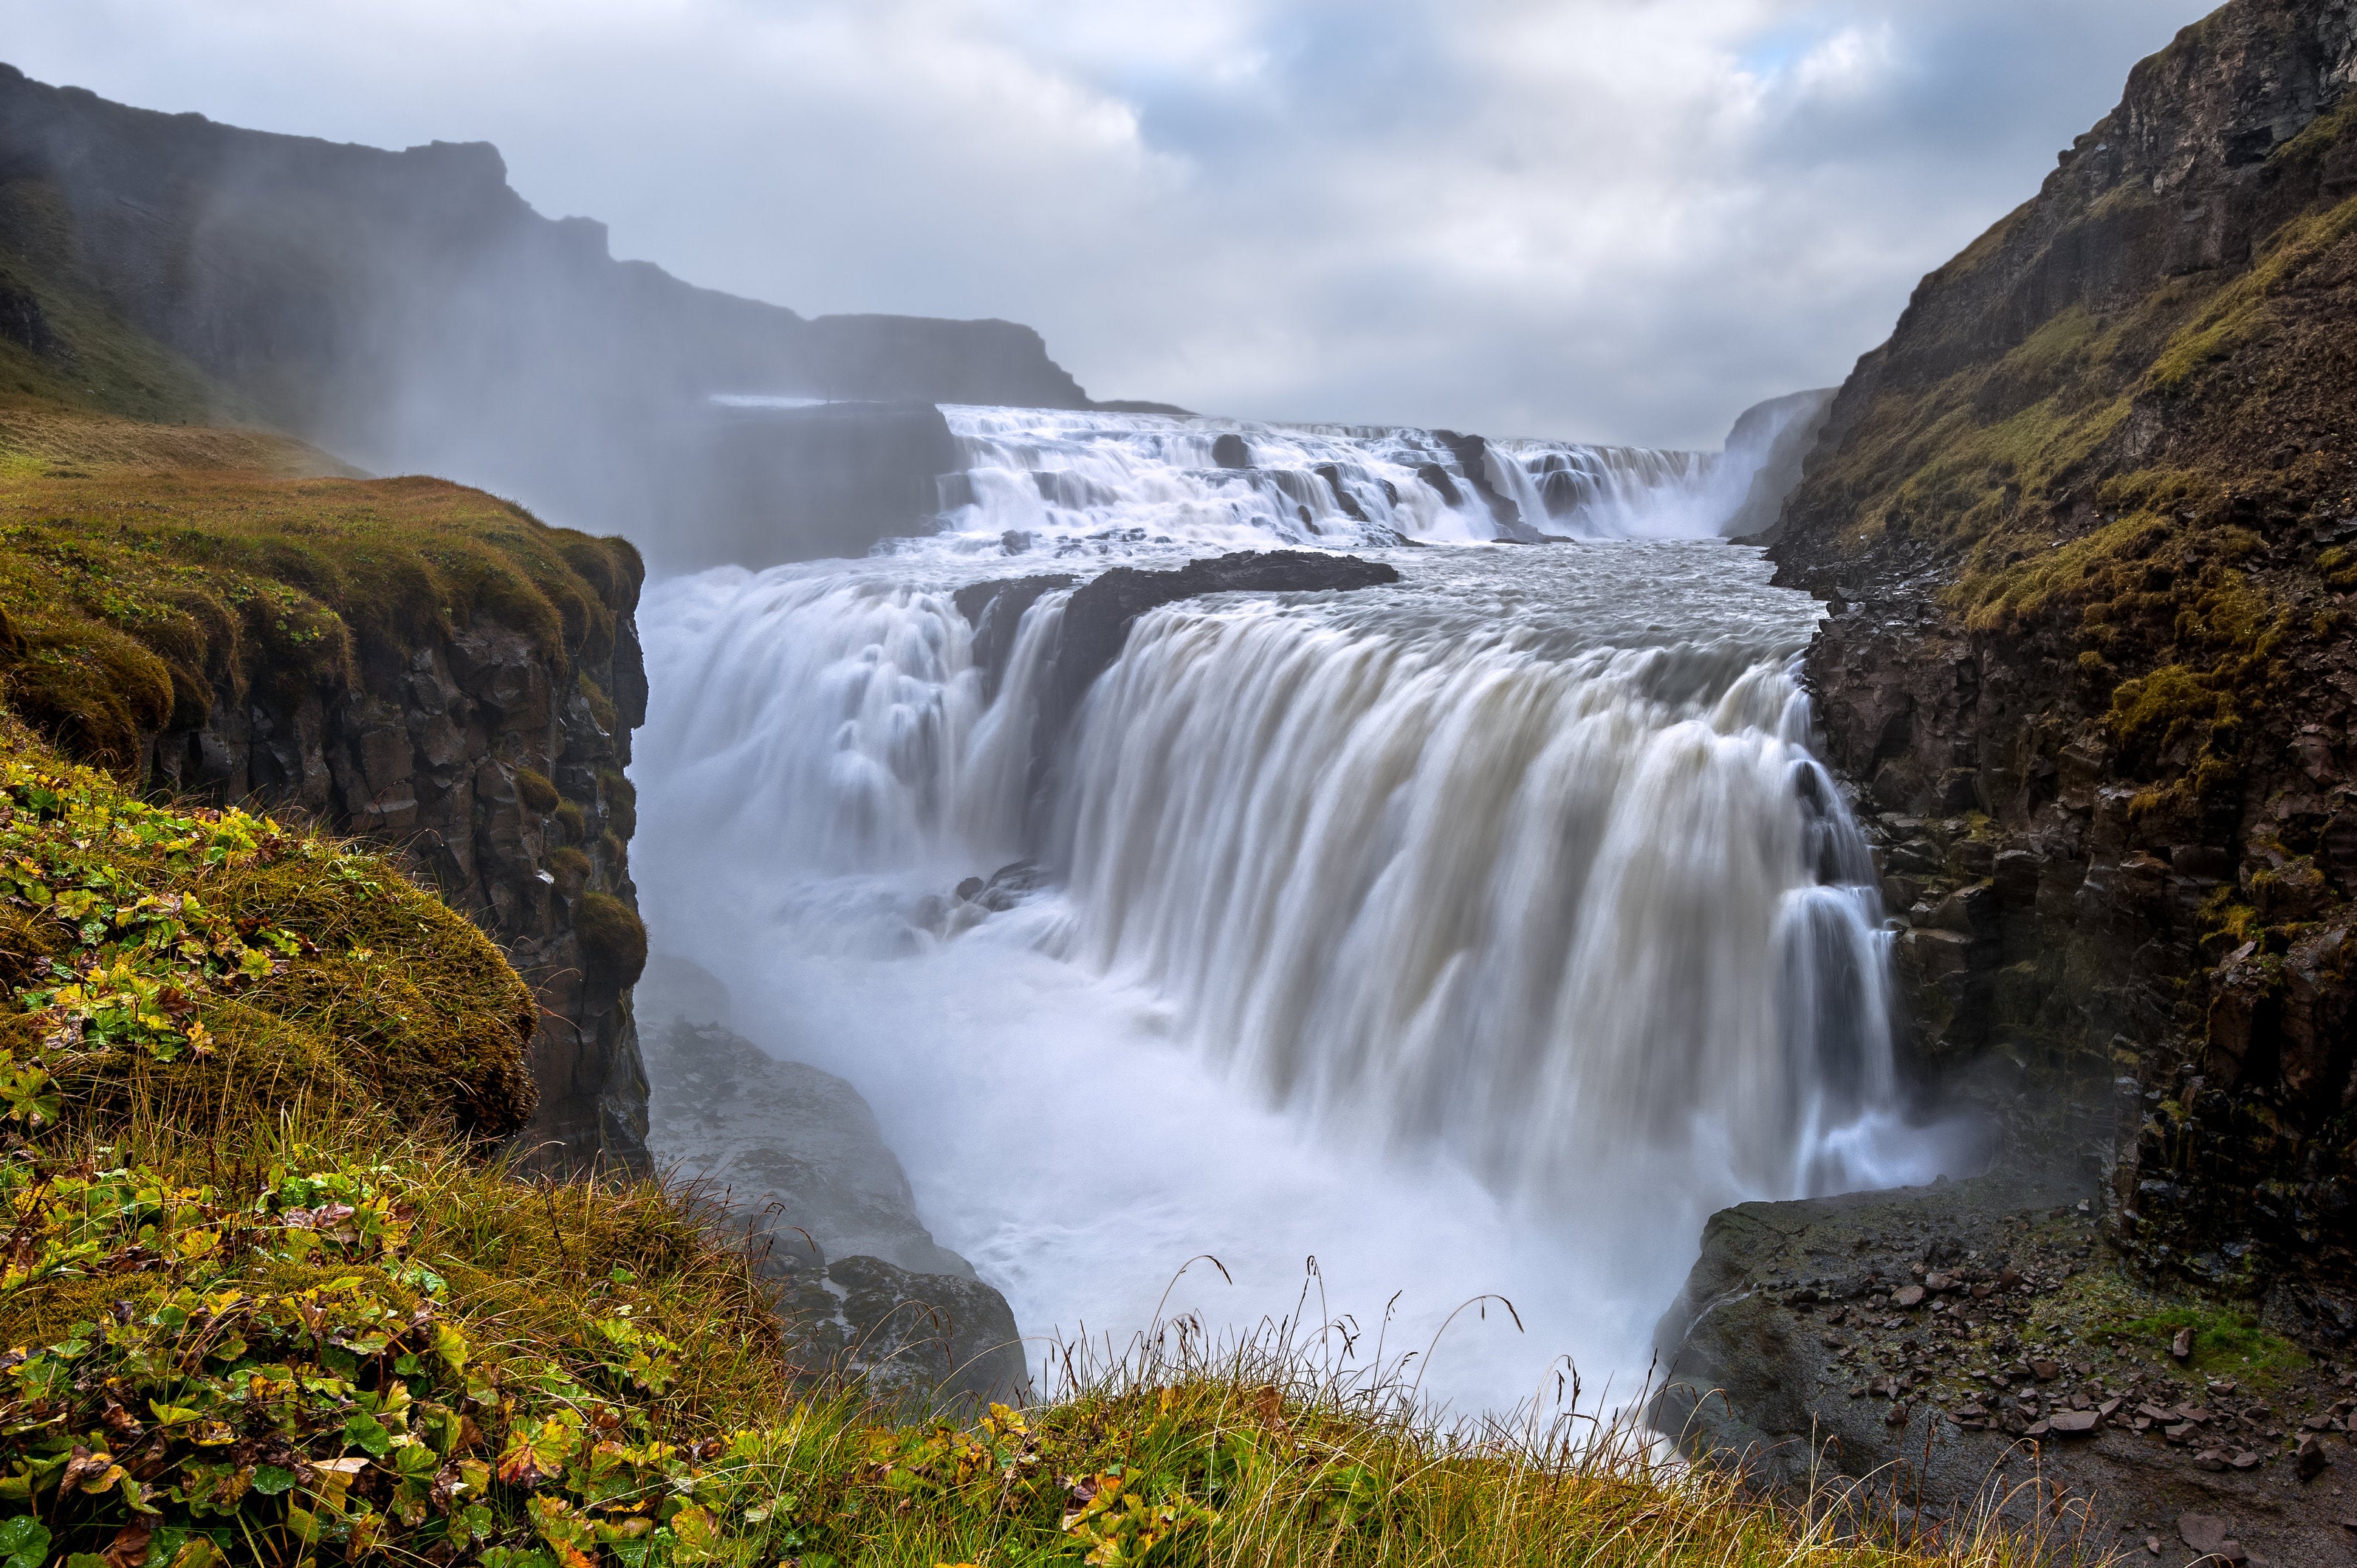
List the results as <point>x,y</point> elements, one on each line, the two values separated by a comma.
<point>1539,909</point>
<point>1482,932</point>
<point>1051,479</point>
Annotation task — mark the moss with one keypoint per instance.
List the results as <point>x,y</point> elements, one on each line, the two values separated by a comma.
<point>357,990</point>
<point>574,819</point>
<point>2225,1343</point>
<point>2239,315</point>
<point>620,798</point>
<point>571,868</point>
<point>537,792</point>
<point>601,707</point>
<point>612,936</point>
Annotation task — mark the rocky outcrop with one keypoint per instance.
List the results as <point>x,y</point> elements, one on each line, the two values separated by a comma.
<point>496,763</point>
<point>1473,459</point>
<point>410,312</point>
<point>1098,619</point>
<point>2083,526</point>
<point>923,1340</point>
<point>793,1148</point>
<point>1969,1346</point>
<point>792,1158</point>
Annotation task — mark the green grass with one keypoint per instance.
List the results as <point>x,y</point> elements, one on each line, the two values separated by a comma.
<point>2225,1343</point>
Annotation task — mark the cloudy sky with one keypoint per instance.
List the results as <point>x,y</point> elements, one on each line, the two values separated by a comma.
<point>1613,219</point>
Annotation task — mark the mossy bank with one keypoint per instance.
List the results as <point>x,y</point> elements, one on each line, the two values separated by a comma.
<point>405,659</point>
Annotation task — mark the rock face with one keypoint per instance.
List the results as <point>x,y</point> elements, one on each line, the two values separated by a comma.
<point>1779,435</point>
<point>499,769</point>
<point>410,312</point>
<point>1098,619</point>
<point>786,1144</point>
<point>924,1339</point>
<point>1939,1347</point>
<point>2086,526</point>
<point>793,1157</point>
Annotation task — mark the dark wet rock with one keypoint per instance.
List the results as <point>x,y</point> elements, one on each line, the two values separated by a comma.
<point>1231,450</point>
<point>1442,481</point>
<point>1332,474</point>
<point>1098,619</point>
<point>922,1339</point>
<point>1472,454</point>
<point>996,610</point>
<point>1008,885</point>
<point>792,1149</point>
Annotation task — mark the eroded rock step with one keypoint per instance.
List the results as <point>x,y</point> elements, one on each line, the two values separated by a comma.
<point>1945,1347</point>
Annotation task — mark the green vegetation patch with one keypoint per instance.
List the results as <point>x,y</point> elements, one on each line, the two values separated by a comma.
<point>222,963</point>
<point>2224,1343</point>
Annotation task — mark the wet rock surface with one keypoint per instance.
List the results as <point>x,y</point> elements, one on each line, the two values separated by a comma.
<point>1977,1343</point>
<point>790,1147</point>
<point>922,1339</point>
<point>789,1158</point>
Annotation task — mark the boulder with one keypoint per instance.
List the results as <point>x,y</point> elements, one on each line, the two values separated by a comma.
<point>919,1340</point>
<point>790,1149</point>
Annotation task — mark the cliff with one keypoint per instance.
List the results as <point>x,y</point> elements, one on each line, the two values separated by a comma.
<point>2083,525</point>
<point>2082,518</point>
<point>403,660</point>
<point>409,311</point>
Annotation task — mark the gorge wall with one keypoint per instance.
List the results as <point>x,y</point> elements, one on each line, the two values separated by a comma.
<point>406,660</point>
<point>2086,525</point>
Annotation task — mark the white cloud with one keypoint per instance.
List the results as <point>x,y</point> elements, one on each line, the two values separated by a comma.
<point>1618,219</point>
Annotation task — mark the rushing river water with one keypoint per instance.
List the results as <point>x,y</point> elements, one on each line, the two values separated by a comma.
<point>1477,934</point>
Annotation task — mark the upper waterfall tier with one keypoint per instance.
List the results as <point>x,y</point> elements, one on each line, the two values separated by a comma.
<point>1035,478</point>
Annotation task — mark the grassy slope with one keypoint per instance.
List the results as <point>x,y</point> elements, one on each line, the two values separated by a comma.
<point>2130,486</point>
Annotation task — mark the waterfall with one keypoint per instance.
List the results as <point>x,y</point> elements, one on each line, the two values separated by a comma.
<point>1060,482</point>
<point>1483,931</point>
<point>1540,910</point>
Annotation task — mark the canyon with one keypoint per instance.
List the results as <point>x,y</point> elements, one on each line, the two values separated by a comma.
<point>1907,855</point>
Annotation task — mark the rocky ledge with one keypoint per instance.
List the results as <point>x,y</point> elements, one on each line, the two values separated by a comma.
<point>1975,1345</point>
<point>792,1159</point>
<point>1099,615</point>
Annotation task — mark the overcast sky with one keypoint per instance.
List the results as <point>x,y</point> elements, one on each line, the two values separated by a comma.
<point>1610,219</point>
